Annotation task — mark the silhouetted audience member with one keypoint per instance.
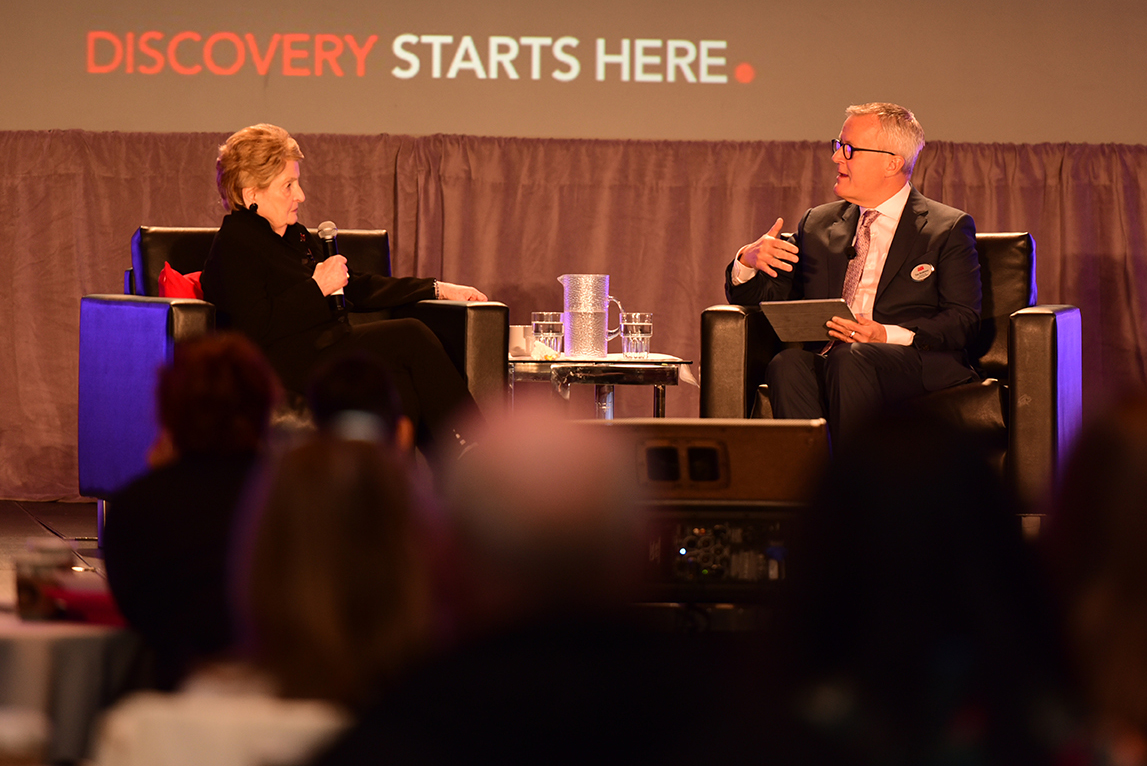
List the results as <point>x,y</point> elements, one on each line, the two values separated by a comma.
<point>333,586</point>
<point>166,534</point>
<point>921,630</point>
<point>331,601</point>
<point>544,521</point>
<point>546,668</point>
<point>1096,538</point>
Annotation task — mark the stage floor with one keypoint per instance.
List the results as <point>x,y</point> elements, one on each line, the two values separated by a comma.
<point>20,520</point>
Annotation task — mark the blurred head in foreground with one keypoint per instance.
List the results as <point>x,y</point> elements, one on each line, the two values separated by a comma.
<point>332,576</point>
<point>353,394</point>
<point>215,397</point>
<point>543,514</point>
<point>1095,539</point>
<point>922,629</point>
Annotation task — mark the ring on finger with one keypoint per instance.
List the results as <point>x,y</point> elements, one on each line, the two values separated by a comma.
<point>852,334</point>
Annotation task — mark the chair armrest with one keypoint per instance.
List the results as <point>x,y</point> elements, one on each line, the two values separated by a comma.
<point>1046,395</point>
<point>124,340</point>
<point>476,336</point>
<point>736,346</point>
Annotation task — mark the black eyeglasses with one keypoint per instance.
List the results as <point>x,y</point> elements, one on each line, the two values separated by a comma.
<point>848,149</point>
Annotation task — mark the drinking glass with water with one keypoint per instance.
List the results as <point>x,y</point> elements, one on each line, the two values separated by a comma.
<point>636,331</point>
<point>547,326</point>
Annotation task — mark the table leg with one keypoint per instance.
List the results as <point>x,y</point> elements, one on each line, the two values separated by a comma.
<point>510,382</point>
<point>659,400</point>
<point>604,398</point>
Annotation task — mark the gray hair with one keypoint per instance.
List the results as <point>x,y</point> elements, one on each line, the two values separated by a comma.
<point>899,127</point>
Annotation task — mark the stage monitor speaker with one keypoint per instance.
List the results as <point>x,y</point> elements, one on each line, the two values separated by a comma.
<point>757,461</point>
<point>721,498</point>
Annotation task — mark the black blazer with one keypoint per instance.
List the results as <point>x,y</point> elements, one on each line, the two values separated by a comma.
<point>261,284</point>
<point>943,308</point>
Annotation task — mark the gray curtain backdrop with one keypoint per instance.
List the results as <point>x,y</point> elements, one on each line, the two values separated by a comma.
<point>511,215</point>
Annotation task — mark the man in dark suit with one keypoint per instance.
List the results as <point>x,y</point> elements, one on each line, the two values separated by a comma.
<point>906,265</point>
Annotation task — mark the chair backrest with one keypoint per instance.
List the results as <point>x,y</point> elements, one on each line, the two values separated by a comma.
<point>186,249</point>
<point>1007,275</point>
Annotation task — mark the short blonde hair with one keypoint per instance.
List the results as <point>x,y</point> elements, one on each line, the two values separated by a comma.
<point>253,157</point>
<point>899,126</point>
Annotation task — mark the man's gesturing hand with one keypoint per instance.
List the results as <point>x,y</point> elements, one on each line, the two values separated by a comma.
<point>769,254</point>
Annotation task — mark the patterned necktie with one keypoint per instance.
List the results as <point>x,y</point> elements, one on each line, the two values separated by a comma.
<point>856,265</point>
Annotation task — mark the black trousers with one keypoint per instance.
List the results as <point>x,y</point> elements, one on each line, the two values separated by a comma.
<point>433,393</point>
<point>846,387</point>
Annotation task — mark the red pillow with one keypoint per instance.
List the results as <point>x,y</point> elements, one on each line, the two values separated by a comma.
<point>172,284</point>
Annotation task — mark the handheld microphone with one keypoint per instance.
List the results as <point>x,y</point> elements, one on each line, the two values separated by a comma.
<point>328,235</point>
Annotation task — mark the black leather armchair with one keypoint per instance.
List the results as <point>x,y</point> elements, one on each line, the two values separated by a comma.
<point>125,339</point>
<point>1027,407</point>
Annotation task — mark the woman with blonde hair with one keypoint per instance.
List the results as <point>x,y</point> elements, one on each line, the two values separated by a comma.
<point>267,277</point>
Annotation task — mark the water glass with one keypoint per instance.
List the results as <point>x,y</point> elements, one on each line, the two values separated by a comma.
<point>548,331</point>
<point>636,330</point>
<point>36,570</point>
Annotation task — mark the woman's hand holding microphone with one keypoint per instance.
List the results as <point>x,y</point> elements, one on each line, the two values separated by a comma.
<point>331,275</point>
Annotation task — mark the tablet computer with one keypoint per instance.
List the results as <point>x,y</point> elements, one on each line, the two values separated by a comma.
<point>804,321</point>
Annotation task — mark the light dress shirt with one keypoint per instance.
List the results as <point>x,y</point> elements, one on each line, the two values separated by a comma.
<point>881,233</point>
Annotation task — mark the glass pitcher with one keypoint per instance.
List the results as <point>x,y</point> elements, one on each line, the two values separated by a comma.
<point>585,322</point>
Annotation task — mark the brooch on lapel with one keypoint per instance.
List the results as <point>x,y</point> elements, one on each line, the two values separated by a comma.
<point>310,258</point>
<point>922,272</point>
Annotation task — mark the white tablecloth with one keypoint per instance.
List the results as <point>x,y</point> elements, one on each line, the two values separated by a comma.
<point>54,679</point>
